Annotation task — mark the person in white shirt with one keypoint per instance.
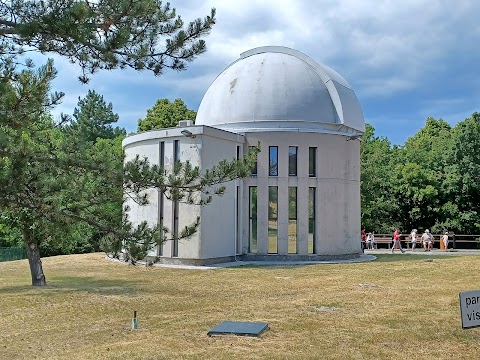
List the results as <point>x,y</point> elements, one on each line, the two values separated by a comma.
<point>373,243</point>
<point>413,236</point>
<point>445,241</point>
<point>427,240</point>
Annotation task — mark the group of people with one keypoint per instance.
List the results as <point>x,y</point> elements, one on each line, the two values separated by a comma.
<point>368,240</point>
<point>427,239</point>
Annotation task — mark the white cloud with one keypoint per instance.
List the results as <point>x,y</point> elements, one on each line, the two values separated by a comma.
<point>383,48</point>
<point>398,39</point>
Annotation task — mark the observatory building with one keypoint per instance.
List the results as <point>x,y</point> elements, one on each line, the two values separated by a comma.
<point>302,201</point>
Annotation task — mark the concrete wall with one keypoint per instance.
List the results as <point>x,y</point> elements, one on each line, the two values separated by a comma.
<point>337,186</point>
<point>215,237</point>
<point>137,214</point>
<point>218,219</point>
<point>190,150</point>
<point>337,192</point>
<point>149,147</point>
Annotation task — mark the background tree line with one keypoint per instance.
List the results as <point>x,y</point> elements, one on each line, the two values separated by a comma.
<point>432,181</point>
<point>90,131</point>
<point>429,182</point>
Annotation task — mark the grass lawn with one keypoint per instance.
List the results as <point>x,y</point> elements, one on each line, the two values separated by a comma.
<point>398,307</point>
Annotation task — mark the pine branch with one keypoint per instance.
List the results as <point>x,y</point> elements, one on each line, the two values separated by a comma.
<point>108,35</point>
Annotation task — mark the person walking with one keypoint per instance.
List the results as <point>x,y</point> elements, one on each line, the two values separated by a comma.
<point>396,241</point>
<point>363,239</point>
<point>445,241</point>
<point>413,236</point>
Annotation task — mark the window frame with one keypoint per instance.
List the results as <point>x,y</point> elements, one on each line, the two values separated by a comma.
<point>312,161</point>
<point>273,161</point>
<point>293,161</point>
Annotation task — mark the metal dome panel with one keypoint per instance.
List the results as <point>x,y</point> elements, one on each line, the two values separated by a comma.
<point>269,87</point>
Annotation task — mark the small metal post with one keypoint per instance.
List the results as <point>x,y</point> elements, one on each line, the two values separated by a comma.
<point>454,245</point>
<point>135,321</point>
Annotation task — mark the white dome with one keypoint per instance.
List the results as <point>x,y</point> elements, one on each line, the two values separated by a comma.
<point>277,88</point>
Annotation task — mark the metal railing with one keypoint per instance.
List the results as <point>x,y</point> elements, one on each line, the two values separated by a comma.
<point>12,253</point>
<point>457,241</point>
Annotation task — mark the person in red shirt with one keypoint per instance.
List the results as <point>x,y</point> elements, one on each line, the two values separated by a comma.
<point>364,238</point>
<point>396,241</point>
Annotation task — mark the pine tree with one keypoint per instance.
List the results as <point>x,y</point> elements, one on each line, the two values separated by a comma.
<point>104,34</point>
<point>93,119</point>
<point>44,181</point>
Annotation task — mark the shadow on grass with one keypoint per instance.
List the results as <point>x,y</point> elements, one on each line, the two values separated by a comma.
<point>274,266</point>
<point>55,284</point>
<point>397,257</point>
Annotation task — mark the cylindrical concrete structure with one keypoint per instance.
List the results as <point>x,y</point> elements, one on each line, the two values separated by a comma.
<point>282,98</point>
<point>303,201</point>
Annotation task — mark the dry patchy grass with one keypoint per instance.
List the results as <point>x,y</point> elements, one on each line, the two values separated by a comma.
<point>398,307</point>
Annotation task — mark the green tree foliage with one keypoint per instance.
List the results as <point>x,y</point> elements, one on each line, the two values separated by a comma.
<point>33,166</point>
<point>45,182</point>
<point>48,188</point>
<point>83,143</point>
<point>419,174</point>
<point>93,119</point>
<point>104,34</point>
<point>462,177</point>
<point>165,114</point>
<point>430,182</point>
<point>91,132</point>
<point>99,195</point>
<point>378,202</point>
<point>9,234</point>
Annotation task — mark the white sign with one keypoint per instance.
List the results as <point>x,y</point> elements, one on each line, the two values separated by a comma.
<point>470,308</point>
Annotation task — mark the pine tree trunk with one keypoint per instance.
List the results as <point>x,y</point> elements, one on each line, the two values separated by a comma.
<point>33,254</point>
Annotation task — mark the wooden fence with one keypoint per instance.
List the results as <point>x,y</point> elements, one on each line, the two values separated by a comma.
<point>456,241</point>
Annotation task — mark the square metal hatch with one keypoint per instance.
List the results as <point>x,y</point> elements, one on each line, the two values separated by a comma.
<point>239,328</point>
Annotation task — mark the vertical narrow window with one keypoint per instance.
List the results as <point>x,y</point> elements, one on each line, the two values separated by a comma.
<point>176,158</point>
<point>162,154</point>
<point>312,161</point>
<point>252,219</point>
<point>273,161</point>
<point>176,151</point>
<point>237,209</point>
<point>254,170</point>
<point>237,221</point>
<point>160,198</point>
<point>292,220</point>
<point>272,219</point>
<point>311,220</point>
<point>175,228</point>
<point>292,160</point>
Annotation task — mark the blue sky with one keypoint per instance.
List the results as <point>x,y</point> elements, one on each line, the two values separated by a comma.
<point>406,60</point>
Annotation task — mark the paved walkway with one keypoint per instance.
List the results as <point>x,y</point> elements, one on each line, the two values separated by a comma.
<point>420,251</point>
<point>369,255</point>
<point>360,259</point>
